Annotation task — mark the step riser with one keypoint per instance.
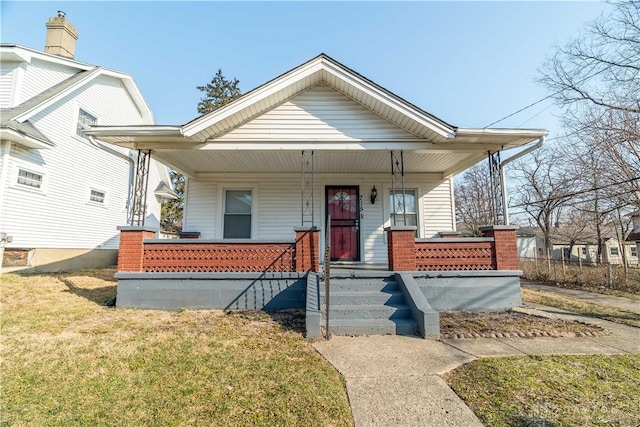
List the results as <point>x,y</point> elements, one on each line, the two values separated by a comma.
<point>345,286</point>
<point>372,329</point>
<point>364,298</point>
<point>379,313</point>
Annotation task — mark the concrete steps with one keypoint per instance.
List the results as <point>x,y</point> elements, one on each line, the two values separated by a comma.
<point>367,306</point>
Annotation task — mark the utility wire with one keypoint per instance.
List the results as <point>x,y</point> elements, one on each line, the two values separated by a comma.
<point>575,193</point>
<point>549,96</point>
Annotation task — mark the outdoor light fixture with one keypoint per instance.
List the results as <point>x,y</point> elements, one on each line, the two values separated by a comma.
<point>374,194</point>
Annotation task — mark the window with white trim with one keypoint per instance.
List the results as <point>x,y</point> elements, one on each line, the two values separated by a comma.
<point>614,251</point>
<point>85,121</point>
<point>237,214</point>
<point>410,215</point>
<point>634,251</point>
<point>29,179</point>
<point>584,250</point>
<point>97,196</point>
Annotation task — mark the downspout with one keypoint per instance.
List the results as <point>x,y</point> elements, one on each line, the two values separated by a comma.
<point>503,183</point>
<point>132,166</point>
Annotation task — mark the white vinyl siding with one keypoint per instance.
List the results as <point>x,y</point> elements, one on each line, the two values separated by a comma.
<point>320,113</point>
<point>7,72</point>
<point>40,76</point>
<point>277,204</point>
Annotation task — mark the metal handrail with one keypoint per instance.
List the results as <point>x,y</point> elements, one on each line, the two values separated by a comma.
<point>327,273</point>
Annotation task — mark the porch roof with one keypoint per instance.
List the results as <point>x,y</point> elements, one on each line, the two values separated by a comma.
<point>226,140</point>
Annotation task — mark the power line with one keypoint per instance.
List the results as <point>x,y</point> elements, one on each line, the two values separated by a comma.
<point>549,96</point>
<point>575,193</point>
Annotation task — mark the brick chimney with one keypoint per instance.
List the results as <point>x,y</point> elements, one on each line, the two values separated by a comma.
<point>61,36</point>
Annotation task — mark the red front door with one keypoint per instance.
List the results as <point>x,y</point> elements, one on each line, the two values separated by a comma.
<point>344,207</point>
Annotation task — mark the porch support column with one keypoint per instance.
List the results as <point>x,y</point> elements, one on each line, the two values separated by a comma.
<point>138,209</point>
<point>307,249</point>
<point>307,211</point>
<point>505,249</point>
<point>397,184</point>
<point>497,188</point>
<point>131,249</point>
<point>401,248</point>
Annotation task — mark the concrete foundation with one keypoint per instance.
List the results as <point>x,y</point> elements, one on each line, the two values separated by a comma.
<point>470,290</point>
<point>225,291</point>
<point>41,260</point>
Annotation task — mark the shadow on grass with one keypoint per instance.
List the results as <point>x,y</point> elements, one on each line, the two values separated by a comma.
<point>104,295</point>
<point>289,320</point>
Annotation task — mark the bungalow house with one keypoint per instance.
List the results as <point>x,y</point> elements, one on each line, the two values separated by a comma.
<point>62,193</point>
<point>319,166</point>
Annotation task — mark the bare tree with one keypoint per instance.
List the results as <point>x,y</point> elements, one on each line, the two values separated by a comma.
<point>543,188</point>
<point>473,198</point>
<point>602,66</point>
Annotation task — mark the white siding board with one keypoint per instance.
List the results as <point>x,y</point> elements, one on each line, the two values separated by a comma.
<point>41,75</point>
<point>318,113</point>
<point>6,83</point>
<point>201,210</point>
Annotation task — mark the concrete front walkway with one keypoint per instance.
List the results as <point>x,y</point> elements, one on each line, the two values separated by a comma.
<point>394,380</point>
<point>621,303</point>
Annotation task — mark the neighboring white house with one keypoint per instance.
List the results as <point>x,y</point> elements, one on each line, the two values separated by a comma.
<point>318,140</point>
<point>63,194</point>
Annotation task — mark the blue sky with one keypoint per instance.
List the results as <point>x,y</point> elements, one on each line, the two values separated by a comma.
<point>469,63</point>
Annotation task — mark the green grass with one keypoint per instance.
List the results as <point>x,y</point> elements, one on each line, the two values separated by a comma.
<point>551,390</point>
<point>590,309</point>
<point>66,360</point>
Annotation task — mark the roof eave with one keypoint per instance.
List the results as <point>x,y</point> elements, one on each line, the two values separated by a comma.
<point>25,140</point>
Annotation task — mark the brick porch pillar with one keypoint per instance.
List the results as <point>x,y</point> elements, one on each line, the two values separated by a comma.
<point>401,248</point>
<point>505,245</point>
<point>307,250</point>
<point>131,249</point>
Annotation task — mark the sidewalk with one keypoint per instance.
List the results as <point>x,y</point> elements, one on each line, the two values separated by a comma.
<point>394,380</point>
<point>621,303</point>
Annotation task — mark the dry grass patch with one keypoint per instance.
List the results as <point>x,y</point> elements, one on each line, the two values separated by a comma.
<point>66,360</point>
<point>551,390</point>
<point>509,324</point>
<point>590,309</point>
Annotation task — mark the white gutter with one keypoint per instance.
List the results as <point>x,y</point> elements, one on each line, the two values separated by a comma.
<point>503,163</point>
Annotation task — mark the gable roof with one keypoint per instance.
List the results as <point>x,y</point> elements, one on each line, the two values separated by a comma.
<point>321,69</point>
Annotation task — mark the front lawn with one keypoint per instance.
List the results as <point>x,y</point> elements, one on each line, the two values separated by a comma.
<point>550,391</point>
<point>67,360</point>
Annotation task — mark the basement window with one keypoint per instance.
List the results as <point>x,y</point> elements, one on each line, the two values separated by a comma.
<point>85,121</point>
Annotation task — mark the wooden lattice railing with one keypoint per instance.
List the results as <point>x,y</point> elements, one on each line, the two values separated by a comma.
<point>219,257</point>
<point>443,254</point>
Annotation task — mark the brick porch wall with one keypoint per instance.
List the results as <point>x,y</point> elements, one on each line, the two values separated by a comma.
<point>137,255</point>
<point>497,250</point>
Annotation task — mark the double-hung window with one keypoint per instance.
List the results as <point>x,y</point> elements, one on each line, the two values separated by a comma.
<point>614,251</point>
<point>409,216</point>
<point>237,214</point>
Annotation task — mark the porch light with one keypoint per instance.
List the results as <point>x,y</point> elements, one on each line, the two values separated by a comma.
<point>374,194</point>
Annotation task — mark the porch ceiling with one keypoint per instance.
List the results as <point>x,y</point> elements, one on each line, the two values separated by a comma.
<point>201,162</point>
